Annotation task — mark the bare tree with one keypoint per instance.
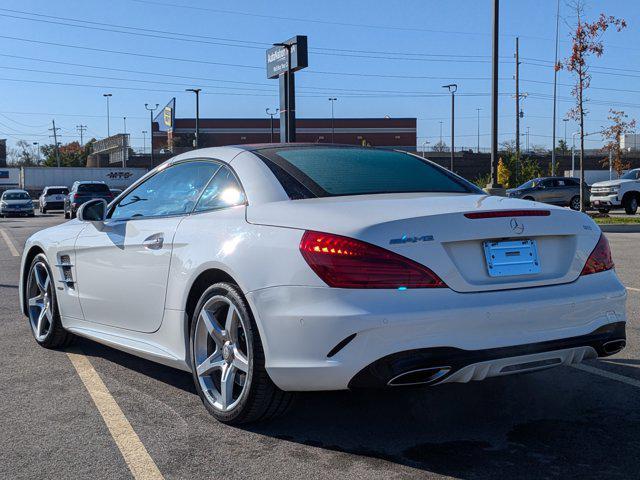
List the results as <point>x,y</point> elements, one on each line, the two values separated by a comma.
<point>24,154</point>
<point>586,39</point>
<point>440,147</point>
<point>619,127</point>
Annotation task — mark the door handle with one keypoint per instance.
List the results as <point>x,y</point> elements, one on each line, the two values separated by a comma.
<point>154,242</point>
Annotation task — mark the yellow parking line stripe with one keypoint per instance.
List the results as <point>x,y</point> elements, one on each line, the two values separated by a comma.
<point>610,375</point>
<point>12,248</point>
<point>633,289</point>
<point>135,455</point>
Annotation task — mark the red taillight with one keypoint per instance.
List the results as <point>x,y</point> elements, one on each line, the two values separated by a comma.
<point>74,197</point>
<point>508,213</point>
<point>343,262</point>
<point>600,259</point>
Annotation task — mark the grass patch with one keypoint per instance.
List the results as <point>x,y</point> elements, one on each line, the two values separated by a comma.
<point>631,219</point>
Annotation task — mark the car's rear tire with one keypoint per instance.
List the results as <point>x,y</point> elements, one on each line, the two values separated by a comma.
<point>574,203</point>
<point>228,362</point>
<point>531,199</point>
<point>42,306</point>
<point>630,203</point>
<point>66,214</point>
<point>43,210</point>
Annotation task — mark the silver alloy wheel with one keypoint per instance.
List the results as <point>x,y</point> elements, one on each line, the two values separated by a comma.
<point>40,301</point>
<point>222,353</point>
<point>575,203</point>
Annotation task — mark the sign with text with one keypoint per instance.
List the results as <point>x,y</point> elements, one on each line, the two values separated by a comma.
<point>277,58</point>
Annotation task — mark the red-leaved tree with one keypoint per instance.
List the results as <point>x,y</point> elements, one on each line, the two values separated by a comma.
<point>620,126</point>
<point>586,39</point>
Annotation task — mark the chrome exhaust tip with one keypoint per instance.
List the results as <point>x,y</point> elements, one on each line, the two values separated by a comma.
<point>614,346</point>
<point>420,376</point>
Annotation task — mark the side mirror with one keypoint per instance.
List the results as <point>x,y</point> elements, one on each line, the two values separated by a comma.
<point>93,211</point>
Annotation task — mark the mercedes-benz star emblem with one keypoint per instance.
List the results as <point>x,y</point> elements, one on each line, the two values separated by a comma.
<point>516,226</point>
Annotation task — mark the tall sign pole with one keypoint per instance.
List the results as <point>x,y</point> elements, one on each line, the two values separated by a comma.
<point>283,60</point>
<point>151,110</point>
<point>494,188</point>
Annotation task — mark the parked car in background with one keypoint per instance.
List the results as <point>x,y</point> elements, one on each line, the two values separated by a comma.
<point>82,192</point>
<point>562,191</point>
<point>16,202</point>
<point>52,198</point>
<point>623,192</point>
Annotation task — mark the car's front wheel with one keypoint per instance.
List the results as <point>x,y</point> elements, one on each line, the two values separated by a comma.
<point>42,306</point>
<point>630,204</point>
<point>228,359</point>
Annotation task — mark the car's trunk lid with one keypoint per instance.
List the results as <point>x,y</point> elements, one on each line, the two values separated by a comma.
<point>433,230</point>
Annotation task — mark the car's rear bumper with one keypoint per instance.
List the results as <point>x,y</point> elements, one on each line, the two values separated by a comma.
<point>318,338</point>
<point>53,205</point>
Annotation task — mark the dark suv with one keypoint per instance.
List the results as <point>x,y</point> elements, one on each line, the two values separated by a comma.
<point>83,192</point>
<point>563,191</point>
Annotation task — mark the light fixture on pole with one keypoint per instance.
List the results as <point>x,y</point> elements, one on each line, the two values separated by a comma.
<point>197,91</point>
<point>108,96</point>
<point>424,147</point>
<point>151,110</point>
<point>452,89</point>
<point>271,115</point>
<point>333,130</point>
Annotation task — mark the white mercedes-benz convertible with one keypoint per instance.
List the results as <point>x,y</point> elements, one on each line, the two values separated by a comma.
<point>270,269</point>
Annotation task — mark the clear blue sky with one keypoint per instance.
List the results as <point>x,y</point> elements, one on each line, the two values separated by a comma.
<point>446,41</point>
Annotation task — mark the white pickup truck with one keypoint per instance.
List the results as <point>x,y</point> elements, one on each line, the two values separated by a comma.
<point>624,192</point>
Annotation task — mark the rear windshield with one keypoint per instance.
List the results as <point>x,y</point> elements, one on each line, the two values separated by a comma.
<point>57,191</point>
<point>326,171</point>
<point>16,196</point>
<point>93,188</point>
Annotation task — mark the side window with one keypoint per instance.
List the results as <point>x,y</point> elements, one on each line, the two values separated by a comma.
<point>223,191</point>
<point>548,183</point>
<point>173,191</point>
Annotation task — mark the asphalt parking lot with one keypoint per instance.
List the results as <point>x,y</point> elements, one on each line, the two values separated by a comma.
<point>562,423</point>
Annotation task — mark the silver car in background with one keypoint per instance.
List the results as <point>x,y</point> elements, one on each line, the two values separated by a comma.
<point>561,191</point>
<point>16,202</point>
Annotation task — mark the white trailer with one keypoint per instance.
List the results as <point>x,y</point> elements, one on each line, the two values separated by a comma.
<point>34,179</point>
<point>9,177</point>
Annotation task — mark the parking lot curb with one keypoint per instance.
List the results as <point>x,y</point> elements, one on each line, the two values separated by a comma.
<point>620,228</point>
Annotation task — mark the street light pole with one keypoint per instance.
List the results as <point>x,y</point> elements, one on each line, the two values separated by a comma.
<point>565,120</point>
<point>197,92</point>
<point>108,96</point>
<point>271,115</point>
<point>555,83</point>
<point>452,89</point>
<point>144,141</point>
<point>333,131</point>
<point>494,185</point>
<point>151,110</point>
<point>37,144</point>
<point>478,110</point>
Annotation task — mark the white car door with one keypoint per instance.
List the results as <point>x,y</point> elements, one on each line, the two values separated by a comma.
<point>123,264</point>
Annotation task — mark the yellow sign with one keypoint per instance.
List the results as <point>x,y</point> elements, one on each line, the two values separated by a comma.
<point>168,117</point>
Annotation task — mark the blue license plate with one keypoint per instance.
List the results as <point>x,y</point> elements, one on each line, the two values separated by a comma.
<point>512,257</point>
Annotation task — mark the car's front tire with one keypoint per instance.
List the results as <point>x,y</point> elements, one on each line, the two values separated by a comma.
<point>42,306</point>
<point>228,362</point>
<point>630,204</point>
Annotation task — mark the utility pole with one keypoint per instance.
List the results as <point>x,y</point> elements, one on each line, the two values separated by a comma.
<point>441,133</point>
<point>144,141</point>
<point>81,129</point>
<point>55,141</point>
<point>494,186</point>
<point>108,96</point>
<point>151,110</point>
<point>528,139</point>
<point>197,92</point>
<point>124,121</point>
<point>478,110</point>
<point>271,115</point>
<point>333,131</point>
<point>517,77</point>
<point>555,84</point>
<point>452,89</point>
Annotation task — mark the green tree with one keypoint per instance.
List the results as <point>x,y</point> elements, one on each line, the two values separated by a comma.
<point>71,154</point>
